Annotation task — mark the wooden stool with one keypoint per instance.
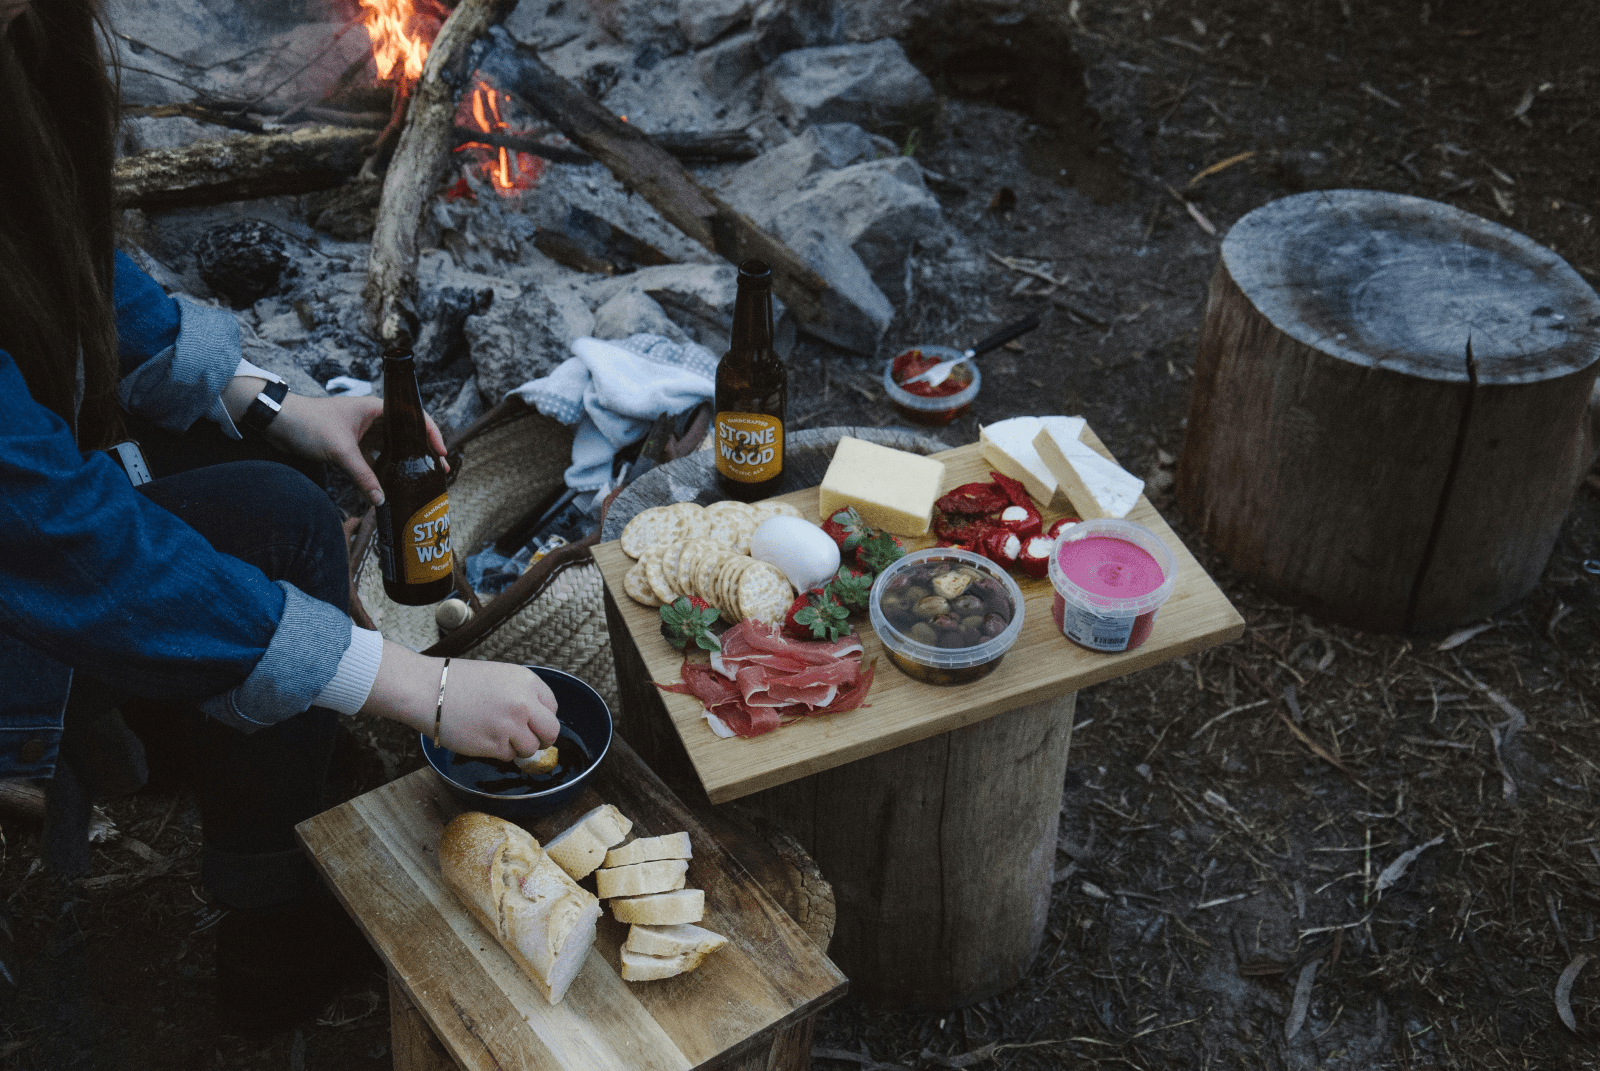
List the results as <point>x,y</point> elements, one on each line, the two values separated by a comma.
<point>458,1001</point>
<point>1342,449</point>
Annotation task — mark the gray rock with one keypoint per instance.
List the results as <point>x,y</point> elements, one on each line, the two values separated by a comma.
<point>699,298</point>
<point>759,187</point>
<point>283,329</point>
<point>880,209</point>
<point>784,25</point>
<point>672,95</point>
<point>247,259</point>
<point>724,68</point>
<point>873,85</point>
<point>280,361</point>
<point>859,312</point>
<point>523,336</point>
<point>467,407</point>
<point>703,21</point>
<point>633,312</point>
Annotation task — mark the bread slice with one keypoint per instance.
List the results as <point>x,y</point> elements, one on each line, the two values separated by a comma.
<point>672,940</point>
<point>661,909</point>
<point>640,879</point>
<point>637,967</point>
<point>540,916</point>
<point>540,762</point>
<point>643,850</point>
<point>582,846</point>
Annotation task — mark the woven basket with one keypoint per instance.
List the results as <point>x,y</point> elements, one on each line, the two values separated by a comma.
<point>503,466</point>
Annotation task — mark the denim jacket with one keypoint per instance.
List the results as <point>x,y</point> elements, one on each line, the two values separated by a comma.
<point>97,579</point>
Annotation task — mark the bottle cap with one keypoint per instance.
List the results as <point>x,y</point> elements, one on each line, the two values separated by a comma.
<point>756,273</point>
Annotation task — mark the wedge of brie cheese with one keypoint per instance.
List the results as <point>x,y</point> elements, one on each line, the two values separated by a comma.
<point>1096,487</point>
<point>1008,446</point>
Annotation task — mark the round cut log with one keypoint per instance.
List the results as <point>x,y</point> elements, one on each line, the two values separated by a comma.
<point>1346,450</point>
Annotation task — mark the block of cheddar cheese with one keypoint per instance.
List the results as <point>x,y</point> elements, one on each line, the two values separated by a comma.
<point>891,489</point>
<point>1008,446</point>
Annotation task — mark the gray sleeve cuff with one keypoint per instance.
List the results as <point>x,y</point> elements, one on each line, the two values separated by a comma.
<point>302,658</point>
<point>179,385</point>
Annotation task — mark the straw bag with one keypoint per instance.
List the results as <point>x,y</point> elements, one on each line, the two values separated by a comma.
<point>502,466</point>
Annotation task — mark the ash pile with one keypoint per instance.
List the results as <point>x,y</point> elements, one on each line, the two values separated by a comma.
<point>800,115</point>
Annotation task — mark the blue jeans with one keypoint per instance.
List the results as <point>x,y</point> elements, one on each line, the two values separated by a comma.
<point>269,510</point>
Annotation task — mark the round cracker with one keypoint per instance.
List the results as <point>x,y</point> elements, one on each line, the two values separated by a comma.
<point>657,578</point>
<point>725,528</point>
<point>727,584</point>
<point>671,555</point>
<point>747,528</point>
<point>686,512</point>
<point>651,527</point>
<point>774,508</point>
<point>763,594</point>
<point>696,524</point>
<point>728,507</point>
<point>638,587</point>
<point>705,572</point>
<point>692,549</point>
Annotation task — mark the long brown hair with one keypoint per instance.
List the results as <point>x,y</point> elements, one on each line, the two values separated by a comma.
<point>58,116</point>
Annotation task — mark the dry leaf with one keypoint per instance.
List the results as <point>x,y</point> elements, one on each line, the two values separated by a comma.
<point>1397,869</point>
<point>1302,999</point>
<point>1564,991</point>
<point>1460,636</point>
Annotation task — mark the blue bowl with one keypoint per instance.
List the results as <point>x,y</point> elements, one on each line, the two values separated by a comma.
<point>581,712</point>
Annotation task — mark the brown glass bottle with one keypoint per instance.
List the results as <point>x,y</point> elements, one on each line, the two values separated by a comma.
<point>413,525</point>
<point>752,395</point>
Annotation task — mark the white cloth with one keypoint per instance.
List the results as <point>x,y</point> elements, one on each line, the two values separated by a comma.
<point>613,391</point>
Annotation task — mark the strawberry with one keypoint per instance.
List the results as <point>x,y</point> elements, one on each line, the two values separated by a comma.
<point>847,529</point>
<point>689,620</point>
<point>879,552</point>
<point>851,587</point>
<point>817,615</point>
<point>1023,520</point>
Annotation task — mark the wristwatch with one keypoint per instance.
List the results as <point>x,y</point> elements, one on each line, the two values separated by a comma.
<point>265,408</point>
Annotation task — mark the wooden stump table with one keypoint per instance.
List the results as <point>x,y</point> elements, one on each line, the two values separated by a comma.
<point>932,811</point>
<point>457,1000</point>
<point>1342,448</point>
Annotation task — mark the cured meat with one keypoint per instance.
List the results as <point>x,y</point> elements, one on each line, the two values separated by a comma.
<point>760,676</point>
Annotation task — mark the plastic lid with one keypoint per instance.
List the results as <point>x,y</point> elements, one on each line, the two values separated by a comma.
<point>946,657</point>
<point>923,403</point>
<point>1129,532</point>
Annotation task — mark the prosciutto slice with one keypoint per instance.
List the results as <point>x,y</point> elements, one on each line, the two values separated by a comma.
<point>761,676</point>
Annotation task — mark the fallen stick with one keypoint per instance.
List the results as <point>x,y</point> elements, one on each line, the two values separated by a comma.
<point>650,170</point>
<point>240,169</point>
<point>420,163</point>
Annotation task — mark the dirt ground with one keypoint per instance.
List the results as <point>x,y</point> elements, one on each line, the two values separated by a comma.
<point>1231,820</point>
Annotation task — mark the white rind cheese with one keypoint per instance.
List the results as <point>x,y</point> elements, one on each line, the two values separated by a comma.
<point>891,489</point>
<point>1008,446</point>
<point>1096,487</point>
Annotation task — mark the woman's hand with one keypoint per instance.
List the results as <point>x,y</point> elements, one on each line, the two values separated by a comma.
<point>331,429</point>
<point>492,709</point>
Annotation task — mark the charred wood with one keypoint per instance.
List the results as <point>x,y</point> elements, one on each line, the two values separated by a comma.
<point>258,165</point>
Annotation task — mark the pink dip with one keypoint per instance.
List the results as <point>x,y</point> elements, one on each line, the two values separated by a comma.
<point>1112,569</point>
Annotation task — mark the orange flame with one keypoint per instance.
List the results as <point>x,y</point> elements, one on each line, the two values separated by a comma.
<point>398,39</point>
<point>507,170</point>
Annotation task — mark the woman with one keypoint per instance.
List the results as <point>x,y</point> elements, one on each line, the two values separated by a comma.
<point>221,585</point>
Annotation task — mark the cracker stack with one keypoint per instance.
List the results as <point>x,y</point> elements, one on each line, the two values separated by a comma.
<point>687,549</point>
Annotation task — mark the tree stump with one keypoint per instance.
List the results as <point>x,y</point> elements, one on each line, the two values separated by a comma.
<point>1344,448</point>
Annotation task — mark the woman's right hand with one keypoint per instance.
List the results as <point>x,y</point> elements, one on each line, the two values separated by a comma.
<point>491,709</point>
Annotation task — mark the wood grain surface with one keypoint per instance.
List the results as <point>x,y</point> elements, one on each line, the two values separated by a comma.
<point>1042,666</point>
<point>378,852</point>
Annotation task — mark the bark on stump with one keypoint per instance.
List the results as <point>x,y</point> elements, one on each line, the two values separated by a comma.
<point>1343,451</point>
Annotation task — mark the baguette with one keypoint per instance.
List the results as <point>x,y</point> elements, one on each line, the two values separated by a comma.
<point>637,967</point>
<point>661,909</point>
<point>640,879</point>
<point>540,762</point>
<point>672,940</point>
<point>647,849</point>
<point>542,918</point>
<point>582,846</point>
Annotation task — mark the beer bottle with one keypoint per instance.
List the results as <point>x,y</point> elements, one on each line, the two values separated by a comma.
<point>752,394</point>
<point>413,524</point>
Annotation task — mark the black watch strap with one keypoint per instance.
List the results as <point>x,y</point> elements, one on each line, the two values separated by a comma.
<point>264,408</point>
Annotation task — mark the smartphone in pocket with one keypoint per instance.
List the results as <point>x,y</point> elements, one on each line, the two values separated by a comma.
<point>131,458</point>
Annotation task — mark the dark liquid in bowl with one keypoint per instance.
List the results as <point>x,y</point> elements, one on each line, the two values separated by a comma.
<point>504,779</point>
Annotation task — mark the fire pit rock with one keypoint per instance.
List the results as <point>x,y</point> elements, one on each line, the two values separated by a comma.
<point>524,335</point>
<point>873,85</point>
<point>244,261</point>
<point>703,21</point>
<point>697,298</point>
<point>633,312</point>
<point>777,173</point>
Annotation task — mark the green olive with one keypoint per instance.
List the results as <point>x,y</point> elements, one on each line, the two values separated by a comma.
<point>932,606</point>
<point>923,632</point>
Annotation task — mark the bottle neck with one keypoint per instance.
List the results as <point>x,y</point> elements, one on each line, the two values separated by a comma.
<point>752,325</point>
<point>404,424</point>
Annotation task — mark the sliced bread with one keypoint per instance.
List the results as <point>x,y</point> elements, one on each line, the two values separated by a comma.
<point>582,847</point>
<point>637,967</point>
<point>661,909</point>
<point>640,879</point>
<point>645,849</point>
<point>672,940</point>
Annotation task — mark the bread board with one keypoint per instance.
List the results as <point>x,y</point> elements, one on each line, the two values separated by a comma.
<point>1041,666</point>
<point>378,853</point>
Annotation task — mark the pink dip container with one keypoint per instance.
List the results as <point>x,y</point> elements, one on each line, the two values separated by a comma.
<point>1110,578</point>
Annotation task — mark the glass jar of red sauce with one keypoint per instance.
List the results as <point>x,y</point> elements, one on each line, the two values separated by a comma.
<point>923,403</point>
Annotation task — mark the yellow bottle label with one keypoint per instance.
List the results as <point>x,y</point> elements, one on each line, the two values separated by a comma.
<point>425,543</point>
<point>749,446</point>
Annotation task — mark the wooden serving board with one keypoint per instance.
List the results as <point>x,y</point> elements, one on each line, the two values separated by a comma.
<point>379,853</point>
<point>1042,665</point>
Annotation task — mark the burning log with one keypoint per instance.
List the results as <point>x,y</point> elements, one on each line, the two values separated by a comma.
<point>419,166</point>
<point>712,145</point>
<point>257,165</point>
<point>645,166</point>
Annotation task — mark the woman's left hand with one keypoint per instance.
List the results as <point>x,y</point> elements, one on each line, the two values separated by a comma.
<point>330,429</point>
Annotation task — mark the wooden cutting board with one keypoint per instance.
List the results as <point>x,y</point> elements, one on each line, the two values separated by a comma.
<point>1042,665</point>
<point>378,852</point>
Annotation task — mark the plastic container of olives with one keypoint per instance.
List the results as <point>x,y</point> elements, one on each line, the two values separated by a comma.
<point>946,616</point>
